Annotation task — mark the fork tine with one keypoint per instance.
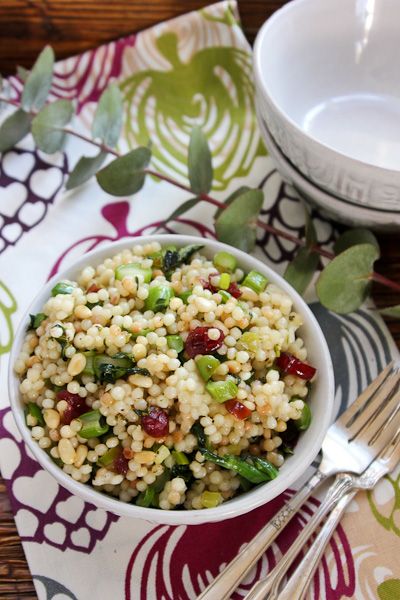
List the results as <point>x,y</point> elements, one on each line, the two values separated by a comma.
<point>377,408</point>
<point>348,418</point>
<point>392,452</point>
<point>386,424</point>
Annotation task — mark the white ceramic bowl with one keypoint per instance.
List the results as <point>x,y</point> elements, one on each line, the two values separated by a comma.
<point>332,206</point>
<point>327,83</point>
<point>309,443</point>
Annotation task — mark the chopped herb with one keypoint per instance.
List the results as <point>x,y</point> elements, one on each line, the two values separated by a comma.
<point>36,320</point>
<point>175,258</point>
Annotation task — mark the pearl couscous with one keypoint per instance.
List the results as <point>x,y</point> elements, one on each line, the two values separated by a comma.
<point>166,379</point>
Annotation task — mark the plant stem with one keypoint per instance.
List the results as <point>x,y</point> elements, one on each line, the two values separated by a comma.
<point>206,198</point>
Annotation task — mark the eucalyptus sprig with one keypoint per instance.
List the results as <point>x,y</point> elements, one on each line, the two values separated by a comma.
<point>342,284</point>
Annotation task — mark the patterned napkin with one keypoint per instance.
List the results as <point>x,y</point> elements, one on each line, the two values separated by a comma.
<point>194,69</point>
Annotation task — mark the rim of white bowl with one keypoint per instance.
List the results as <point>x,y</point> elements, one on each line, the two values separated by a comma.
<point>381,172</point>
<point>232,508</point>
<point>322,198</point>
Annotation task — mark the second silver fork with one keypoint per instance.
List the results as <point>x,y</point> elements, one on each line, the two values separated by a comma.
<point>352,442</point>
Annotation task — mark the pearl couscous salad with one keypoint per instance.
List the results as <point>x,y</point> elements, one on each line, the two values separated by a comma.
<point>166,379</point>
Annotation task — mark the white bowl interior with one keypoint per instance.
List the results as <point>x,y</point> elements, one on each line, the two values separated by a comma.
<point>309,444</point>
<point>331,67</point>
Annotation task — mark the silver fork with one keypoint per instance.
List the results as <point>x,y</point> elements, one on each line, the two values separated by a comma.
<point>350,445</point>
<point>299,582</point>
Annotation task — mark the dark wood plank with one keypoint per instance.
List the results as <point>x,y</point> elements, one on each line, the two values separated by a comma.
<point>72,26</point>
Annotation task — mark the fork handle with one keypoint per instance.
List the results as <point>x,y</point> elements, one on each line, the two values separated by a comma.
<point>228,580</point>
<point>298,584</point>
<point>269,585</point>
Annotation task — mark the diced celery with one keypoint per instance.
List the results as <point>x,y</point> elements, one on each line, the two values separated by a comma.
<point>180,458</point>
<point>175,342</point>
<point>133,270</point>
<point>221,391</point>
<point>211,499</point>
<point>225,296</point>
<point>206,365</point>
<point>225,261</point>
<point>255,281</point>
<point>158,298</point>
<point>161,455</point>
<point>185,296</point>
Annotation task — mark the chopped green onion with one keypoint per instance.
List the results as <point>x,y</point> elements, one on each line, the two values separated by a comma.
<point>224,281</point>
<point>265,466</point>
<point>211,499</point>
<point>250,340</point>
<point>175,342</point>
<point>108,457</point>
<point>93,425</point>
<point>36,320</point>
<point>180,458</point>
<point>221,391</point>
<point>63,287</point>
<point>225,296</point>
<point>158,298</point>
<point>133,270</point>
<point>255,281</point>
<point>304,421</point>
<point>146,498</point>
<point>225,261</point>
<point>235,463</point>
<point>206,365</point>
<point>34,411</point>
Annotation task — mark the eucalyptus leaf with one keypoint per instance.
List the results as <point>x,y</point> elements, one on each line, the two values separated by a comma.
<point>125,175</point>
<point>38,82</point>
<point>236,225</point>
<point>391,311</point>
<point>231,198</point>
<point>47,126</point>
<point>14,129</point>
<point>22,73</point>
<point>344,283</point>
<point>85,168</point>
<point>310,233</point>
<point>107,121</point>
<point>182,209</point>
<point>199,163</point>
<point>300,271</point>
<point>352,237</point>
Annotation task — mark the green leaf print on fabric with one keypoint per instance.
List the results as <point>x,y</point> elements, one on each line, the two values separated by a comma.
<point>228,18</point>
<point>389,589</point>
<point>8,306</point>
<point>213,90</point>
<point>388,515</point>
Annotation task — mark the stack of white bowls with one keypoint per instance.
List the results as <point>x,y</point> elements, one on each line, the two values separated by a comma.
<point>328,103</point>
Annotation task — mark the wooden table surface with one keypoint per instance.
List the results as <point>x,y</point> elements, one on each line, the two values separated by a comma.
<point>72,26</point>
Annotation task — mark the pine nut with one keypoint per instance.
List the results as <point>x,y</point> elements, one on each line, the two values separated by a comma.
<point>145,457</point>
<point>80,455</point>
<point>66,451</point>
<point>76,364</point>
<point>51,418</point>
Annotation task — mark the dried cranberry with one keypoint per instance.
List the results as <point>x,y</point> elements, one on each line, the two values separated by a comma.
<point>233,288</point>
<point>93,288</point>
<point>76,406</point>
<point>198,342</point>
<point>156,422</point>
<point>120,464</point>
<point>237,409</point>
<point>290,365</point>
